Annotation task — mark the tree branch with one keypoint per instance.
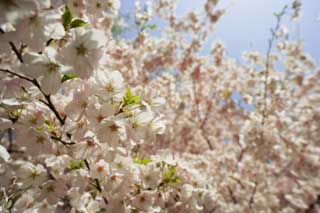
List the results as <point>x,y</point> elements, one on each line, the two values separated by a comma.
<point>49,103</point>
<point>266,74</point>
<point>13,47</point>
<point>62,141</point>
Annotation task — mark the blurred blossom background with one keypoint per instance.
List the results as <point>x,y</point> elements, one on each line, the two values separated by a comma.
<point>245,25</point>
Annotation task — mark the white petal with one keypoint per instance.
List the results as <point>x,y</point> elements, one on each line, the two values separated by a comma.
<point>4,153</point>
<point>51,82</point>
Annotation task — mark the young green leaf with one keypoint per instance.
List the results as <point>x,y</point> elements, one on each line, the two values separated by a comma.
<point>67,77</point>
<point>130,99</point>
<point>143,27</point>
<point>116,30</point>
<point>66,17</point>
<point>170,176</point>
<point>77,23</point>
<point>142,161</point>
<point>76,164</point>
<point>152,26</point>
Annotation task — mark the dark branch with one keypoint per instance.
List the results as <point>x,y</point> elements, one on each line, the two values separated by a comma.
<point>49,103</point>
<point>13,47</point>
<point>62,141</point>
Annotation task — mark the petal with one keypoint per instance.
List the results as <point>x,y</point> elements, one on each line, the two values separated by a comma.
<point>51,82</point>
<point>4,153</point>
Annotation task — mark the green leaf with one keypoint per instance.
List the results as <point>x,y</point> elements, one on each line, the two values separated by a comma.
<point>130,99</point>
<point>170,176</point>
<point>142,161</point>
<point>152,26</point>
<point>78,23</point>
<point>66,17</point>
<point>116,30</point>
<point>76,164</point>
<point>143,27</point>
<point>50,125</point>
<point>67,77</point>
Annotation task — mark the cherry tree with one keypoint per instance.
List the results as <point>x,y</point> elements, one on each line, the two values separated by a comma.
<point>93,122</point>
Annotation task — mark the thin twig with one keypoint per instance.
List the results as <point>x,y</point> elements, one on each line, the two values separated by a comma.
<point>62,141</point>
<point>266,74</point>
<point>251,201</point>
<point>10,138</point>
<point>87,164</point>
<point>13,47</point>
<point>198,113</point>
<point>234,199</point>
<point>49,103</point>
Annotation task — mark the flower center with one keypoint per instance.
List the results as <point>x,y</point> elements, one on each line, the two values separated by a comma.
<point>113,128</point>
<point>52,67</point>
<point>100,169</point>
<point>40,139</point>
<point>109,88</point>
<point>81,50</point>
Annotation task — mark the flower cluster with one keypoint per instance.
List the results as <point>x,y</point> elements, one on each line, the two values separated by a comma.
<point>92,122</point>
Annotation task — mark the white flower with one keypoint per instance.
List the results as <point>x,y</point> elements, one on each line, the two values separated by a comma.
<point>100,8</point>
<point>143,201</point>
<point>113,184</point>
<point>45,65</point>
<point>110,131</point>
<point>139,123</point>
<point>109,84</point>
<point>100,170</point>
<point>79,104</point>
<point>57,164</point>
<point>32,174</point>
<point>76,7</point>
<point>53,190</point>
<point>86,149</point>
<point>150,175</point>
<point>36,142</point>
<point>121,164</point>
<point>116,204</point>
<point>36,30</point>
<point>97,115</point>
<point>4,153</point>
<point>84,52</point>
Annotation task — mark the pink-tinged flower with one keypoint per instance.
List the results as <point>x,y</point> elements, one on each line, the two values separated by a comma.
<point>53,190</point>
<point>36,142</point>
<point>100,8</point>
<point>96,115</point>
<point>100,170</point>
<point>79,104</point>
<point>111,131</point>
<point>84,51</point>
<point>86,149</point>
<point>143,201</point>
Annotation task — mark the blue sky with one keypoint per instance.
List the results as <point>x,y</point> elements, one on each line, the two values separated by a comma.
<point>246,24</point>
